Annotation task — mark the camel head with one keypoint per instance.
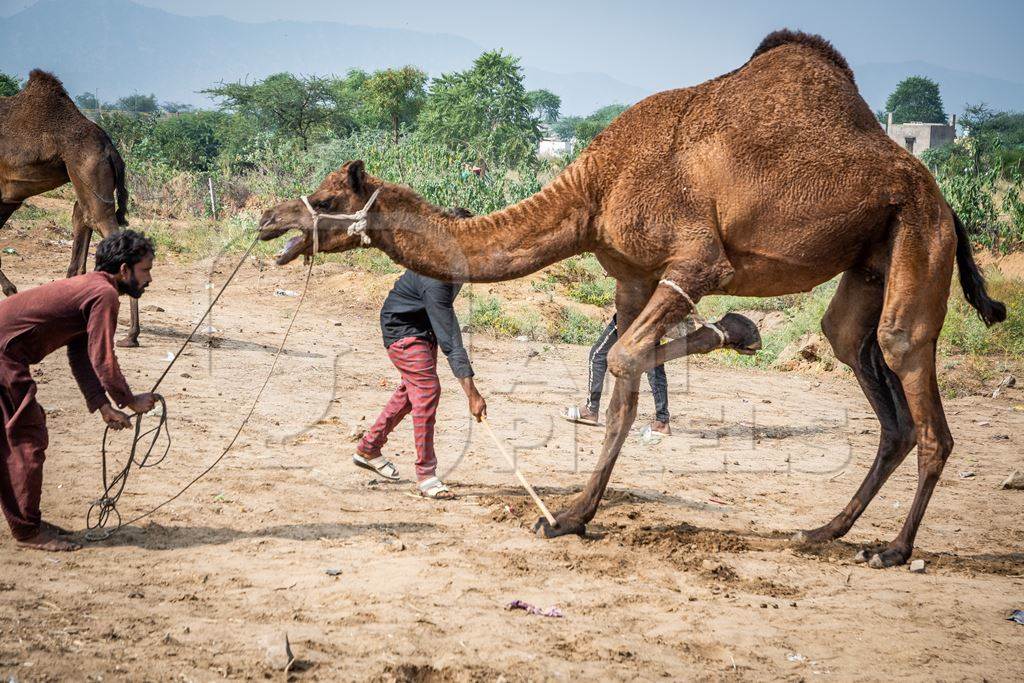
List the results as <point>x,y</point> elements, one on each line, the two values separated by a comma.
<point>343,191</point>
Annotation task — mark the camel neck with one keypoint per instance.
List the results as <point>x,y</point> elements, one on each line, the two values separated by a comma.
<point>549,226</point>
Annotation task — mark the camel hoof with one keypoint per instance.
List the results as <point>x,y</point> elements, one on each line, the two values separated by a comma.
<point>127,343</point>
<point>543,529</point>
<point>861,557</point>
<point>8,291</point>
<point>806,537</point>
<point>742,334</point>
<point>891,557</point>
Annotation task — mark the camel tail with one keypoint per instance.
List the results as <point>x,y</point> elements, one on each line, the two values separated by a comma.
<point>117,166</point>
<point>972,281</point>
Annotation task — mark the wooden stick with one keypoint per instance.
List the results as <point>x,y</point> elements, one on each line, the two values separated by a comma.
<point>522,480</point>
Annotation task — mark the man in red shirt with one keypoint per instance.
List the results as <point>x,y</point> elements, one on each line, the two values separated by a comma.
<point>80,313</point>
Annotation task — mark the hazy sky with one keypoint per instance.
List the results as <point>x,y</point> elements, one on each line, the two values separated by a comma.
<point>658,44</point>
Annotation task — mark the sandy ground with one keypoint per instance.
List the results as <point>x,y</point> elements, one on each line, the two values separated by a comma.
<point>685,573</point>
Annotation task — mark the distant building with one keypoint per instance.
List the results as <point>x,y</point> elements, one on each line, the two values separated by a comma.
<point>918,137</point>
<point>551,145</point>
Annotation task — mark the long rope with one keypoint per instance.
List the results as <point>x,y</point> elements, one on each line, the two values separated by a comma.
<point>104,507</point>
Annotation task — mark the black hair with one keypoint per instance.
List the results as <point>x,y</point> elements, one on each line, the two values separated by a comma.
<point>123,247</point>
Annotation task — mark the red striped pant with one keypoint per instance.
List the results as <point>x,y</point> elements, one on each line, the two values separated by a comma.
<point>419,394</point>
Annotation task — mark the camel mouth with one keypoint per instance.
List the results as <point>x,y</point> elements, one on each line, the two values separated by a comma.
<point>295,247</point>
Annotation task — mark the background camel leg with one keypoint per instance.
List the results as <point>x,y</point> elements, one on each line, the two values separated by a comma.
<point>131,340</point>
<point>851,326</point>
<point>80,238</point>
<point>6,210</point>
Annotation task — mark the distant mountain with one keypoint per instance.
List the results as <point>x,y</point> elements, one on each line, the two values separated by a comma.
<point>958,88</point>
<point>116,47</point>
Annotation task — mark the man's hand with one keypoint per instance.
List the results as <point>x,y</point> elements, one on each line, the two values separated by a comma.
<point>477,404</point>
<point>142,403</point>
<point>114,418</point>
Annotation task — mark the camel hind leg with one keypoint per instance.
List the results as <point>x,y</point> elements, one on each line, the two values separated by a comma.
<point>917,288</point>
<point>6,209</point>
<point>80,239</point>
<point>851,326</point>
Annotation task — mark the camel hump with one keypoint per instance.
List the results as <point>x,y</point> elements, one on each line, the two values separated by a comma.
<point>45,79</point>
<point>787,37</point>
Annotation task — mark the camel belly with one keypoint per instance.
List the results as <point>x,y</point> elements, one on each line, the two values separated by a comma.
<point>19,183</point>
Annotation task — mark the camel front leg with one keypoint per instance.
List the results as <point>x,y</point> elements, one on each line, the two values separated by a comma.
<point>738,333</point>
<point>629,299</point>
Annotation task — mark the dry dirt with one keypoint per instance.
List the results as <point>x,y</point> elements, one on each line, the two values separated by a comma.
<point>685,573</point>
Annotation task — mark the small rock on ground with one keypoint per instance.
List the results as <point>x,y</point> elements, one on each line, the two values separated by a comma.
<point>1014,481</point>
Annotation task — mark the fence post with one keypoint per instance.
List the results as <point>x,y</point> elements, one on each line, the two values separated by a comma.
<point>213,200</point>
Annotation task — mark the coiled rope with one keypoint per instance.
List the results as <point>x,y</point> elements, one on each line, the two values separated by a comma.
<point>102,509</point>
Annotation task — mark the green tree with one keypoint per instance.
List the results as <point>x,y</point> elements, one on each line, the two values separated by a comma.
<point>584,130</point>
<point>8,85</point>
<point>87,100</point>
<point>546,105</point>
<point>138,104</point>
<point>176,107</point>
<point>346,100</point>
<point>189,141</point>
<point>565,127</point>
<point>981,179</point>
<point>483,113</point>
<point>129,132</point>
<point>916,99</point>
<point>285,104</point>
<point>396,95</point>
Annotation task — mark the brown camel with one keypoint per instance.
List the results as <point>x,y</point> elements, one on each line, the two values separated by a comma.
<point>46,142</point>
<point>768,180</point>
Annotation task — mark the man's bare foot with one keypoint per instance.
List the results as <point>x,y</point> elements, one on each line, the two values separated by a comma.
<point>661,427</point>
<point>49,541</point>
<point>58,530</point>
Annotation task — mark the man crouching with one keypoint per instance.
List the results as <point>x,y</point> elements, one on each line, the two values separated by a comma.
<point>80,313</point>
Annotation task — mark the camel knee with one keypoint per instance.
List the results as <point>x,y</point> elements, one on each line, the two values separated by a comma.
<point>898,347</point>
<point>622,363</point>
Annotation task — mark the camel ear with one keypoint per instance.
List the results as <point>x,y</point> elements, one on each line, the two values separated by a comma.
<point>356,176</point>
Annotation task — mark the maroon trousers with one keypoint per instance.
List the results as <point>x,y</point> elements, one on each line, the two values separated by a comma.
<point>23,443</point>
<point>419,394</point>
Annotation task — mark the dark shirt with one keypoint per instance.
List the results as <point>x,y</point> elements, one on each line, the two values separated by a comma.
<point>78,312</point>
<point>420,306</point>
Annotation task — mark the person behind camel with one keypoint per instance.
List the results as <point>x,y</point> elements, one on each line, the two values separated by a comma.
<point>597,367</point>
<point>416,318</point>
<point>80,313</point>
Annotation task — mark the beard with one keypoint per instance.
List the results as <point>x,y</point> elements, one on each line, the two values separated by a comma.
<point>131,287</point>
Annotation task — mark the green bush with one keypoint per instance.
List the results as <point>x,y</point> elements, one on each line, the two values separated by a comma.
<point>487,315</point>
<point>574,327</point>
<point>597,292</point>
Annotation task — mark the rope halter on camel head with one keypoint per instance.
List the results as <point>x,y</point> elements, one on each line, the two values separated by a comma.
<point>356,227</point>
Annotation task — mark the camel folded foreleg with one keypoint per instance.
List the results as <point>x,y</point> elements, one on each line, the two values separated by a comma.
<point>635,352</point>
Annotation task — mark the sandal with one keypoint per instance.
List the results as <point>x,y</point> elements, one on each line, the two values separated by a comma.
<point>379,465</point>
<point>435,488</point>
<point>573,414</point>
